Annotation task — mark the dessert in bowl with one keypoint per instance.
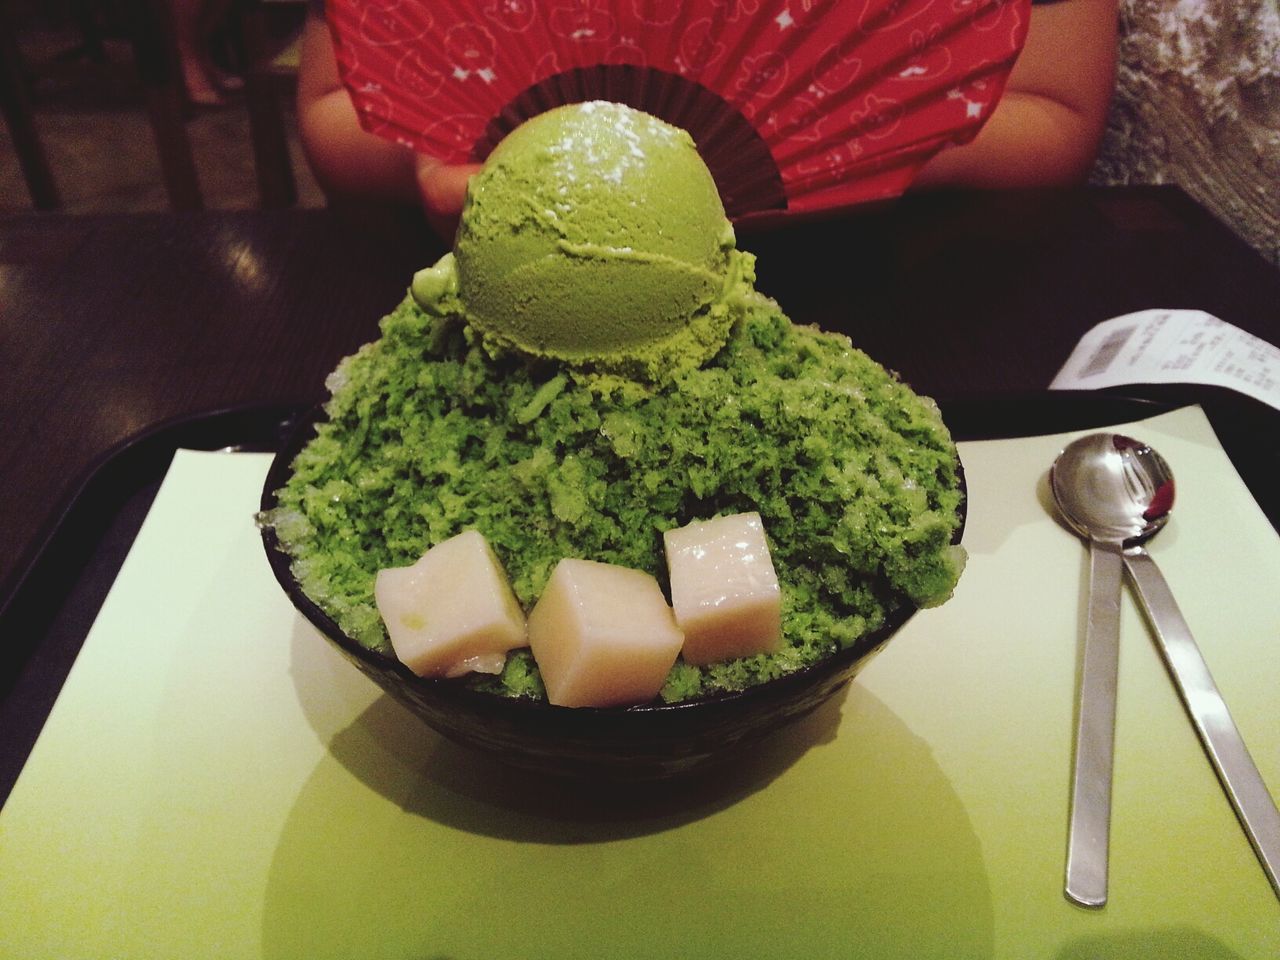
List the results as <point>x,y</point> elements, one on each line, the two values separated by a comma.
<point>588,377</point>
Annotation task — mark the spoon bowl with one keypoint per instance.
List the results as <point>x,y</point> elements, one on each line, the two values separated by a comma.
<point>1112,488</point>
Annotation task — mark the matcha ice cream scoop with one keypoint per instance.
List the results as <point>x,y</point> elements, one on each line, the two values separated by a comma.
<point>595,235</point>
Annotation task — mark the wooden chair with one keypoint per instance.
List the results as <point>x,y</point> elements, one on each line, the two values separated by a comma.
<point>267,77</point>
<point>15,104</point>
<point>156,57</point>
<point>151,36</point>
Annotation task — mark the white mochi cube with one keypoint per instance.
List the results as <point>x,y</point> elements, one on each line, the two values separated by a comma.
<point>724,589</point>
<point>602,635</point>
<point>451,612</point>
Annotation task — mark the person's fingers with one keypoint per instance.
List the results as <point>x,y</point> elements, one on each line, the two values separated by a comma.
<point>442,189</point>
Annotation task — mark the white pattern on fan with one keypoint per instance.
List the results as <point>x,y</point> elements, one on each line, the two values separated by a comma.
<point>843,101</point>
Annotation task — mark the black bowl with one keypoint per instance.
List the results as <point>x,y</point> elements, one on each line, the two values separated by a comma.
<point>646,742</point>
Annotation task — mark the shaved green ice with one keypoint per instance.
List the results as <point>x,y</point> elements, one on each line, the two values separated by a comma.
<point>429,434</point>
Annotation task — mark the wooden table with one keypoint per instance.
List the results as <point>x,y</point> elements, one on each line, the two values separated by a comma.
<point>113,325</point>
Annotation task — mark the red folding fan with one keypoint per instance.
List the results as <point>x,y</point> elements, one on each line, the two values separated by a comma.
<point>796,105</point>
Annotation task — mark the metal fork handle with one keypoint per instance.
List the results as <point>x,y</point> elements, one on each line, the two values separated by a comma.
<point>1208,711</point>
<point>1089,832</point>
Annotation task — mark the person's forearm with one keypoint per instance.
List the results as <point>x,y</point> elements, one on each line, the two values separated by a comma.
<point>1046,128</point>
<point>349,161</point>
<point>1030,141</point>
<point>345,159</point>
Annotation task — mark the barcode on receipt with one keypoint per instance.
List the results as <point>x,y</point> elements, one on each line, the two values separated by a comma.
<point>1107,351</point>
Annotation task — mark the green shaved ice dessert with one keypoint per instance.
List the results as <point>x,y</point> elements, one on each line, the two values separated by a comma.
<point>855,477</point>
<point>590,367</point>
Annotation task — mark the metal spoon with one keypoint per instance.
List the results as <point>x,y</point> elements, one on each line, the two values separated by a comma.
<point>1082,479</point>
<point>1118,492</point>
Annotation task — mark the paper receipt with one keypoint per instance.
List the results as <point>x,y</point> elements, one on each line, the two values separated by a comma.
<point>1173,346</point>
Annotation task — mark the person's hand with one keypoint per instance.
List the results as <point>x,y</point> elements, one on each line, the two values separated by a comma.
<point>442,188</point>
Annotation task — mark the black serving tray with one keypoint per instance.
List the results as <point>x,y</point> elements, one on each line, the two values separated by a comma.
<point>47,614</point>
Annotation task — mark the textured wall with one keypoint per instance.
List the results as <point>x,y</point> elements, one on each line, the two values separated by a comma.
<point>1198,104</point>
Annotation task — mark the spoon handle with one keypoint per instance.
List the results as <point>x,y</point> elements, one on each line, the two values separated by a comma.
<point>1090,828</point>
<point>1218,733</point>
